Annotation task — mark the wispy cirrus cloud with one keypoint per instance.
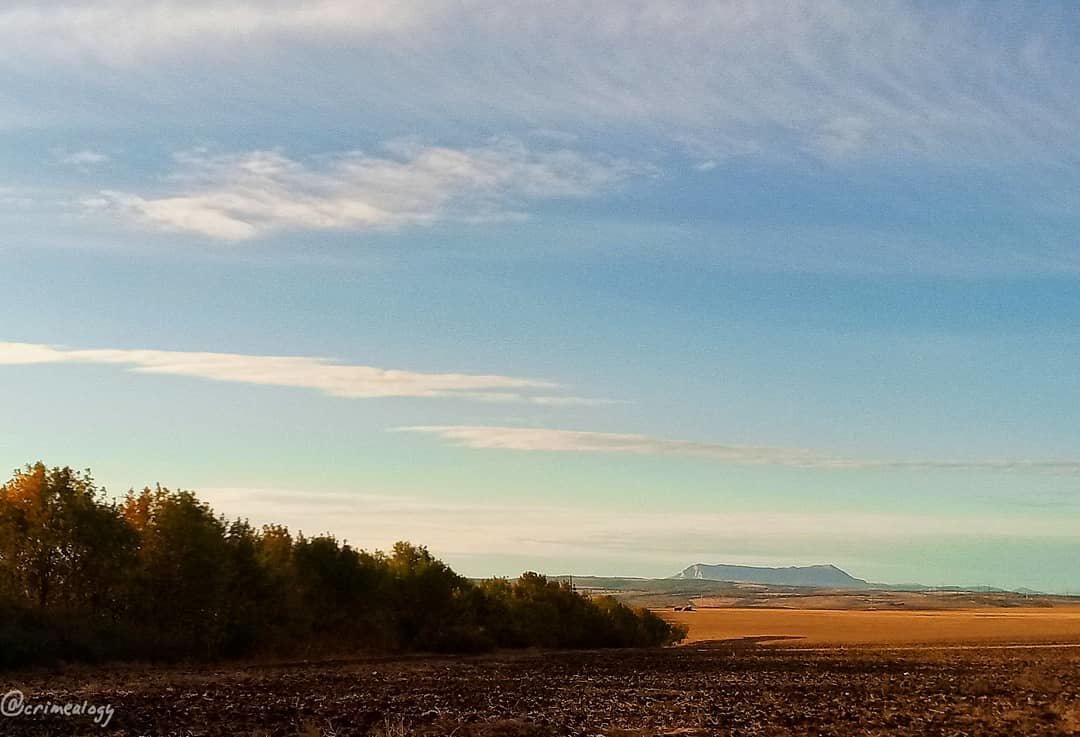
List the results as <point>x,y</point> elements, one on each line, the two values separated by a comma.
<point>482,437</point>
<point>242,196</point>
<point>319,374</point>
<point>12,198</point>
<point>835,79</point>
<point>122,32</point>
<point>83,158</point>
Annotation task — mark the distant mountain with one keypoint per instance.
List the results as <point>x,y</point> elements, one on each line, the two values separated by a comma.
<point>822,577</point>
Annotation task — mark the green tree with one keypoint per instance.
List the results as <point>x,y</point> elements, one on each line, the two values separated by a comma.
<point>62,545</point>
<point>182,575</point>
<point>427,596</point>
<point>161,576</point>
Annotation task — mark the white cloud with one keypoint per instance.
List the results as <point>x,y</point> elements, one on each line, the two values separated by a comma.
<point>12,198</point>
<point>85,158</point>
<point>481,437</point>
<point>320,374</point>
<point>842,136</point>
<point>545,530</point>
<point>242,196</point>
<point>123,32</point>
<point>836,78</point>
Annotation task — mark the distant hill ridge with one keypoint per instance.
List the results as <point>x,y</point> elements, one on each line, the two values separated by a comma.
<point>821,576</point>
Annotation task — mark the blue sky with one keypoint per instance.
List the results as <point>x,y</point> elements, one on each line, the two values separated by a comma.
<point>604,287</point>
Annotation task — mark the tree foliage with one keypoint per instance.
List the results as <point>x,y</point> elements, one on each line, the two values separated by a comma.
<point>161,576</point>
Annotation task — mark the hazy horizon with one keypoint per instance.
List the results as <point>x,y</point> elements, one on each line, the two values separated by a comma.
<point>608,290</point>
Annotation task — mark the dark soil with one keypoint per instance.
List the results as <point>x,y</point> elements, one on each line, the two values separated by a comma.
<point>723,689</point>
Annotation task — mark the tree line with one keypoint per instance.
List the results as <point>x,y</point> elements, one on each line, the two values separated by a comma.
<point>158,575</point>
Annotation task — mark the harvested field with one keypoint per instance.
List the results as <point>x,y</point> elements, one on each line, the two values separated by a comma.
<point>802,627</point>
<point>695,690</point>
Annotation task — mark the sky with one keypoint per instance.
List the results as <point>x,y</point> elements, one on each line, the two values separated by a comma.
<point>604,287</point>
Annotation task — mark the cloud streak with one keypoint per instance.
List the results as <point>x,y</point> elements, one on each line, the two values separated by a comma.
<point>123,32</point>
<point>12,198</point>
<point>236,197</point>
<point>826,78</point>
<point>319,374</point>
<point>84,158</point>
<point>548,529</point>
<point>481,437</point>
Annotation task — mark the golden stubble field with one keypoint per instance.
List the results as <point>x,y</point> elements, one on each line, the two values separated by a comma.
<point>810,627</point>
